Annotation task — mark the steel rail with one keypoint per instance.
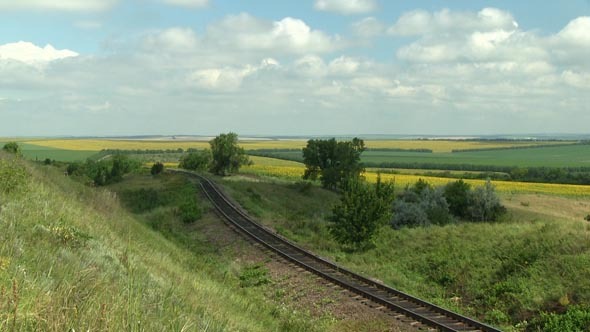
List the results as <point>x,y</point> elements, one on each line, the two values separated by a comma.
<point>427,313</point>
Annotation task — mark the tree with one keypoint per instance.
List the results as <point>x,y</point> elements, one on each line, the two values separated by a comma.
<point>333,162</point>
<point>227,156</point>
<point>457,194</point>
<point>200,160</point>
<point>485,204</point>
<point>157,168</point>
<point>362,209</point>
<point>121,166</point>
<point>12,147</point>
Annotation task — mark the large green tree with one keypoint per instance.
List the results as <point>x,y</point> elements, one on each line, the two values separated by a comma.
<point>227,155</point>
<point>333,162</point>
<point>362,209</point>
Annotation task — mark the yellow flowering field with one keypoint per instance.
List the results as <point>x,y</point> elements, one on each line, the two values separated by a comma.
<point>100,144</point>
<point>502,186</point>
<point>294,170</point>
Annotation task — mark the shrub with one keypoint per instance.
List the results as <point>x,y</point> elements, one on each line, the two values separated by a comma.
<point>73,168</point>
<point>485,204</point>
<point>421,205</point>
<point>362,210</point>
<point>157,168</point>
<point>587,218</point>
<point>12,176</point>
<point>12,147</point>
<point>196,160</point>
<point>577,318</point>
<point>189,211</point>
<point>457,196</point>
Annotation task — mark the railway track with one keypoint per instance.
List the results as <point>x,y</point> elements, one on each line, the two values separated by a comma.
<point>383,296</point>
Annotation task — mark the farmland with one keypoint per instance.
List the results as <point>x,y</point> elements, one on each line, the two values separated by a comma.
<point>293,170</point>
<point>388,151</point>
<point>559,156</point>
<point>437,146</point>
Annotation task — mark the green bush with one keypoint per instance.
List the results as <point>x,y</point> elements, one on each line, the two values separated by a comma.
<point>457,195</point>
<point>575,319</point>
<point>12,147</point>
<point>157,168</point>
<point>421,205</point>
<point>196,160</point>
<point>189,211</point>
<point>484,203</point>
<point>362,210</point>
<point>12,175</point>
<point>105,171</point>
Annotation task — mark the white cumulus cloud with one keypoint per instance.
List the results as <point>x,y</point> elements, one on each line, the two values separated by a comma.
<point>421,22</point>
<point>577,31</point>
<point>346,7</point>
<point>289,35</point>
<point>29,53</point>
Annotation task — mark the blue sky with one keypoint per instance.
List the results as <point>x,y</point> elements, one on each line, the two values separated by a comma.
<point>333,67</point>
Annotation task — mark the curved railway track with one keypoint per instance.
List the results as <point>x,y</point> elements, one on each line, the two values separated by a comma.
<point>424,312</point>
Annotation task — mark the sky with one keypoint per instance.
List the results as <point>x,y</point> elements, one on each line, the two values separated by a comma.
<point>308,67</point>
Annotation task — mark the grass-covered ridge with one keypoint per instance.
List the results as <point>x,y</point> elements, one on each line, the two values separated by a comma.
<point>506,273</point>
<point>72,258</point>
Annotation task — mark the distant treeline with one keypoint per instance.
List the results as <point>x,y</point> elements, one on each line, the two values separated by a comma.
<point>272,152</point>
<point>399,150</point>
<point>518,147</point>
<point>563,175</point>
<point>106,152</point>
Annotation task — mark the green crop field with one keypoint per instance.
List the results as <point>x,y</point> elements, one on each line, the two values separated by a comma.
<point>38,152</point>
<point>560,156</point>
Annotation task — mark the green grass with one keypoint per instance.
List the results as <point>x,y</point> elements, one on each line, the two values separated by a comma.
<point>73,258</point>
<point>561,156</point>
<point>503,273</point>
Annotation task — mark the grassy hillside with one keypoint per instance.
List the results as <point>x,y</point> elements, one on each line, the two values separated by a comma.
<point>505,273</point>
<point>73,258</point>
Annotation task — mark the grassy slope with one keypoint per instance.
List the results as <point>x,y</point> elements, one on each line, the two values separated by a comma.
<point>536,259</point>
<point>72,258</point>
<point>562,156</point>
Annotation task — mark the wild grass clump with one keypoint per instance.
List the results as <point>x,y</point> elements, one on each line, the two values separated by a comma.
<point>254,275</point>
<point>12,176</point>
